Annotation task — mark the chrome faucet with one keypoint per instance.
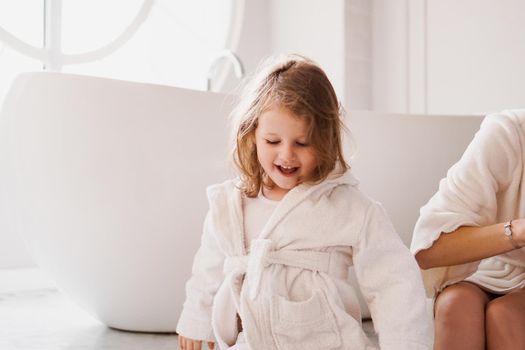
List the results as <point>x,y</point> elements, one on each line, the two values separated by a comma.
<point>232,57</point>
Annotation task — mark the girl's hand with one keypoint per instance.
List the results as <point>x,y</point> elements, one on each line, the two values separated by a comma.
<point>192,344</point>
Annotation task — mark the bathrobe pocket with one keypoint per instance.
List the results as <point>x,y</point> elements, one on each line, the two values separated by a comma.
<point>306,325</point>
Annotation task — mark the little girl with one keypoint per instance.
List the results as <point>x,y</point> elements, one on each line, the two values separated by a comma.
<point>272,270</point>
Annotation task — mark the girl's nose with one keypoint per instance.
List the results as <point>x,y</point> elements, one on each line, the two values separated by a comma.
<point>287,153</point>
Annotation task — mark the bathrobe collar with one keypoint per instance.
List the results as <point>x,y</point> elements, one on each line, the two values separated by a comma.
<point>295,196</point>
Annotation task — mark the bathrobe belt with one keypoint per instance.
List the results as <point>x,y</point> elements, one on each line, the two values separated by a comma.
<point>335,264</point>
<point>227,300</point>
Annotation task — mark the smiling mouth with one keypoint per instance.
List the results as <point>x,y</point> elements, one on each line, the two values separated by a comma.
<point>287,170</point>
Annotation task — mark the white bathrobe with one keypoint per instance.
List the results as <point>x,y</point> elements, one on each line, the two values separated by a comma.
<point>292,291</point>
<point>484,187</point>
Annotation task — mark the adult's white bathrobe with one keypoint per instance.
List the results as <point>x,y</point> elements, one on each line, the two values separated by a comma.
<point>486,186</point>
<point>292,291</point>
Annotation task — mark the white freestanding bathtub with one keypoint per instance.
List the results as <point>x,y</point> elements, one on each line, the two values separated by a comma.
<point>110,188</point>
<point>110,181</point>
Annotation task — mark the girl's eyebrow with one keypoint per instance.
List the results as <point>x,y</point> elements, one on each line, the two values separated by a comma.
<point>267,134</point>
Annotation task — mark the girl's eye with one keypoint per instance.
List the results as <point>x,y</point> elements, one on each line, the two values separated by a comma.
<point>270,142</point>
<point>302,144</point>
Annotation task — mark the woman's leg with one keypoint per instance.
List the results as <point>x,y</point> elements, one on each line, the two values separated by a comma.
<point>505,321</point>
<point>459,314</point>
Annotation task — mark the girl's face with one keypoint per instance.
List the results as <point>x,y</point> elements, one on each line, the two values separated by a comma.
<point>283,150</point>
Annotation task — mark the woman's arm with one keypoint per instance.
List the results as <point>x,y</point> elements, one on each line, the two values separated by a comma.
<point>468,201</point>
<point>469,244</point>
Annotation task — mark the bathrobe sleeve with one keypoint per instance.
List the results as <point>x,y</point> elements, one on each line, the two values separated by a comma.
<point>206,278</point>
<point>390,281</point>
<point>468,194</point>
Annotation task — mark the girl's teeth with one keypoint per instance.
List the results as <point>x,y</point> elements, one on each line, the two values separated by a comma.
<point>287,170</point>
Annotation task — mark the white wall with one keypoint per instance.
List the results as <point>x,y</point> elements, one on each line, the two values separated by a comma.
<point>476,51</point>
<point>335,33</point>
<point>314,28</point>
<point>358,54</point>
<point>448,57</point>
<point>389,48</point>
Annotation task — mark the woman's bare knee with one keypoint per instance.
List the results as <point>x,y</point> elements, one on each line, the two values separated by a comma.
<point>460,317</point>
<point>505,320</point>
<point>460,300</point>
<point>499,309</point>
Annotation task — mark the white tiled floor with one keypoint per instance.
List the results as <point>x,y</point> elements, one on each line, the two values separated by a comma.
<point>45,319</point>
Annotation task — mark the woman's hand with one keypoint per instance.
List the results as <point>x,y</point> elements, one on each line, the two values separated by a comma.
<point>192,344</point>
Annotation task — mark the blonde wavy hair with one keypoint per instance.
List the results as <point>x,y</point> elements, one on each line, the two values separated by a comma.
<point>299,85</point>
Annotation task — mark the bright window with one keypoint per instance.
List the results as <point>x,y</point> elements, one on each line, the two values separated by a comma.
<point>171,42</point>
<point>24,19</point>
